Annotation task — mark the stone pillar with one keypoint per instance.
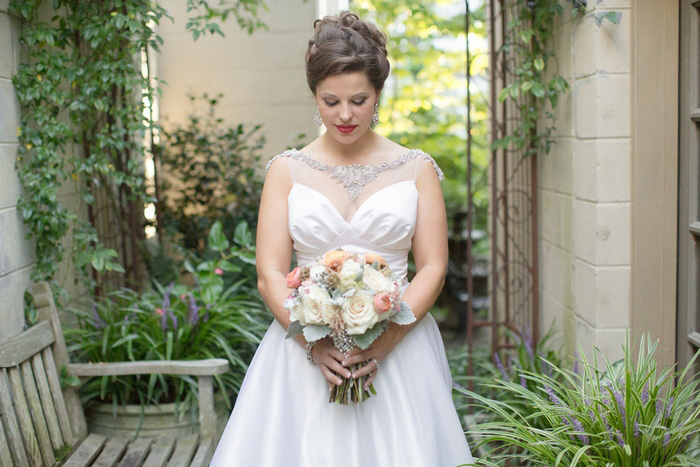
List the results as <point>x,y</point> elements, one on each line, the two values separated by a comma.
<point>16,253</point>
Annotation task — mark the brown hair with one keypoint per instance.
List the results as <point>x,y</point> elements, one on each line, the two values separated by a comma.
<point>345,44</point>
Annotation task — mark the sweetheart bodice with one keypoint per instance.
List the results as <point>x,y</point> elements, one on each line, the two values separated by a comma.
<point>379,217</point>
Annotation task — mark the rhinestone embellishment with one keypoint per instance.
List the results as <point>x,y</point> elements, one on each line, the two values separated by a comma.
<point>356,177</point>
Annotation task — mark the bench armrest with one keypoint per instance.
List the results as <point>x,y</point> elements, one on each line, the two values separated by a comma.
<point>209,367</point>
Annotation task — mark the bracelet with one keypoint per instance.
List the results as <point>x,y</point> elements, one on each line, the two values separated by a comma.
<point>309,346</point>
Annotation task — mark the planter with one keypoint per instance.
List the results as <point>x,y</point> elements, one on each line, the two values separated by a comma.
<point>157,421</point>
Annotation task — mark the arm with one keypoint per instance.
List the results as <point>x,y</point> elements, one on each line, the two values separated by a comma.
<point>430,255</point>
<point>273,257</point>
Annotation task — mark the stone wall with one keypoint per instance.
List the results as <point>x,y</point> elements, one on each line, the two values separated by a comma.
<point>261,75</point>
<point>16,253</point>
<point>584,195</point>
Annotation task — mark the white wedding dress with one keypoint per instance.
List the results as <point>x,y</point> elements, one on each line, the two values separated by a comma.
<point>282,416</point>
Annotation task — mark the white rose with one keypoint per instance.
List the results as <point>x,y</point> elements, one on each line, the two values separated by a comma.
<point>350,269</point>
<point>296,313</point>
<point>375,280</point>
<point>316,272</point>
<point>358,312</point>
<point>313,303</point>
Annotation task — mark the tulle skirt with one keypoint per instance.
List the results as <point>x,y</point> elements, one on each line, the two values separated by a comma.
<point>282,416</point>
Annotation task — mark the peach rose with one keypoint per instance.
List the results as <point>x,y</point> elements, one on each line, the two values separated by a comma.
<point>382,302</point>
<point>370,258</point>
<point>294,278</point>
<point>334,259</point>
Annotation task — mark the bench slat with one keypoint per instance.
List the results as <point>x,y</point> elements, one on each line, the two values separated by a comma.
<point>160,452</point>
<point>57,395</point>
<point>35,409</point>
<point>10,424</point>
<point>25,420</point>
<point>209,367</point>
<point>112,452</point>
<point>184,450</point>
<point>19,348</point>
<point>137,452</point>
<point>204,453</point>
<point>87,452</point>
<point>5,458</point>
<point>47,401</point>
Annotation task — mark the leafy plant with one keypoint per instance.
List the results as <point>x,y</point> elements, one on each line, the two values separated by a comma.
<point>177,322</point>
<point>209,173</point>
<point>625,415</point>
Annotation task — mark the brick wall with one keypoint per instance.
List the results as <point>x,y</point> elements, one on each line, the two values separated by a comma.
<point>584,195</point>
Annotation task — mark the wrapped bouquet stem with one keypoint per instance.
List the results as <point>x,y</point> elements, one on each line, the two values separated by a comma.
<point>351,297</point>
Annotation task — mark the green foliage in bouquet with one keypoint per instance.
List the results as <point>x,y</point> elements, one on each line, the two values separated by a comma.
<point>625,415</point>
<point>177,322</point>
<point>208,173</point>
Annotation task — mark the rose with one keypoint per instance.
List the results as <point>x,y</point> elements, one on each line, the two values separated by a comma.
<point>296,311</point>
<point>358,312</point>
<point>382,302</point>
<point>350,269</point>
<point>370,258</point>
<point>334,259</point>
<point>375,280</point>
<point>294,278</point>
<point>314,303</point>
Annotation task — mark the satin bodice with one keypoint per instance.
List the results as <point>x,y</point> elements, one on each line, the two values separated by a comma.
<point>381,221</point>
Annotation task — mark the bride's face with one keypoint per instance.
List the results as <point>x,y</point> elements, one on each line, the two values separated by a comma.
<point>346,102</point>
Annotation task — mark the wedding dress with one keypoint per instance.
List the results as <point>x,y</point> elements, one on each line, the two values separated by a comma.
<point>282,416</point>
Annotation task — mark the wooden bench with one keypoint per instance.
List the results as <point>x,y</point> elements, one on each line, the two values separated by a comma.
<point>38,418</point>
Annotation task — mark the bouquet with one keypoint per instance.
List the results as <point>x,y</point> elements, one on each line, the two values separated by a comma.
<point>351,297</point>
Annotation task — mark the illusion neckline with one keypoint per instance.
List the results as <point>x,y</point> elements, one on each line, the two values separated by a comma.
<point>374,166</point>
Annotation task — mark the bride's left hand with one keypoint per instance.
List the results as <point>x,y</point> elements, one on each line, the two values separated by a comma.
<point>379,349</point>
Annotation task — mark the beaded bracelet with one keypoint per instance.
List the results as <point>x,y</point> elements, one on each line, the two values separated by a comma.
<point>309,346</point>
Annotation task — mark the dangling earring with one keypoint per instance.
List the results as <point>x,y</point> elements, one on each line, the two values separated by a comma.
<point>317,117</point>
<point>375,116</point>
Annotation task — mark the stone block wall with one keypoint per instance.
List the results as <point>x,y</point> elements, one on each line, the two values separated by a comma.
<point>261,75</point>
<point>585,185</point>
<point>16,253</point>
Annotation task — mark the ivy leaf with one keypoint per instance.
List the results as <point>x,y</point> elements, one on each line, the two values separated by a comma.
<point>538,63</point>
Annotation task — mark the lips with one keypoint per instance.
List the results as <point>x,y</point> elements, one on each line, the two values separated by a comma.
<point>346,128</point>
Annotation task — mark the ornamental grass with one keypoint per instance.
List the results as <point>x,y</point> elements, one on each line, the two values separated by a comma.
<point>624,414</point>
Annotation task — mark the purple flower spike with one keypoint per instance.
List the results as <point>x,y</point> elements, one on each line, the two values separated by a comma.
<point>527,341</point>
<point>523,381</point>
<point>667,438</point>
<point>620,440</point>
<point>579,427</point>
<point>659,405</point>
<point>575,362</point>
<point>552,396</point>
<point>193,315</point>
<point>166,308</point>
<point>499,365</point>
<point>99,322</point>
<point>668,407</point>
<point>620,399</point>
<point>645,394</point>
<point>636,429</point>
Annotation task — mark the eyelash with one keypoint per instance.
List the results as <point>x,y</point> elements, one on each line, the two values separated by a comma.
<point>331,104</point>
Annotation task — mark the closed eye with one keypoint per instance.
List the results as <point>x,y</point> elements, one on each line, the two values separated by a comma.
<point>331,104</point>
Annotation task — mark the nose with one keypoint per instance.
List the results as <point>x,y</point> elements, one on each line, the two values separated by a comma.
<point>345,112</point>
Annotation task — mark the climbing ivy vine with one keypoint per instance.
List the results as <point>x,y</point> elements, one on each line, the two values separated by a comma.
<point>84,101</point>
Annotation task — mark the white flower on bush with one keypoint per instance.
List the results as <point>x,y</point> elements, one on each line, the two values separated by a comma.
<point>313,303</point>
<point>375,280</point>
<point>358,312</point>
<point>350,269</point>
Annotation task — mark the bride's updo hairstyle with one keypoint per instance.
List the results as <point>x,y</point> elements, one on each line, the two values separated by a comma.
<point>346,44</point>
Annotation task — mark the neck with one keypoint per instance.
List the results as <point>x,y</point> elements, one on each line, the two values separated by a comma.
<point>350,153</point>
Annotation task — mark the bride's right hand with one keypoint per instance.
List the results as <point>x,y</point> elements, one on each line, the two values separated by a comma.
<point>328,359</point>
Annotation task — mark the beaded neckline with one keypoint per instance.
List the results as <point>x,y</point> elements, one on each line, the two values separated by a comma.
<point>355,177</point>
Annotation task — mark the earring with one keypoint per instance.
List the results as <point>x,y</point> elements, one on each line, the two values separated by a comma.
<point>317,117</point>
<point>375,116</point>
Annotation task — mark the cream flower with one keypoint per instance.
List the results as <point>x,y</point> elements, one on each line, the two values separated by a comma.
<point>359,313</point>
<point>375,280</point>
<point>350,269</point>
<point>316,272</point>
<point>313,303</point>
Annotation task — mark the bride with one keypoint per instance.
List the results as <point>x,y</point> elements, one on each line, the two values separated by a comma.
<point>356,190</point>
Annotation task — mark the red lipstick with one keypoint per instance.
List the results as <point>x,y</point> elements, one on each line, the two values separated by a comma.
<point>346,128</point>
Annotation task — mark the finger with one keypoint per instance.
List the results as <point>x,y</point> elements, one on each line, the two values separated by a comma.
<point>364,370</point>
<point>357,358</point>
<point>334,365</point>
<point>369,380</point>
<point>330,376</point>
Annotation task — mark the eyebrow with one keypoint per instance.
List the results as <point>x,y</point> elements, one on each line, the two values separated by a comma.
<point>363,94</point>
